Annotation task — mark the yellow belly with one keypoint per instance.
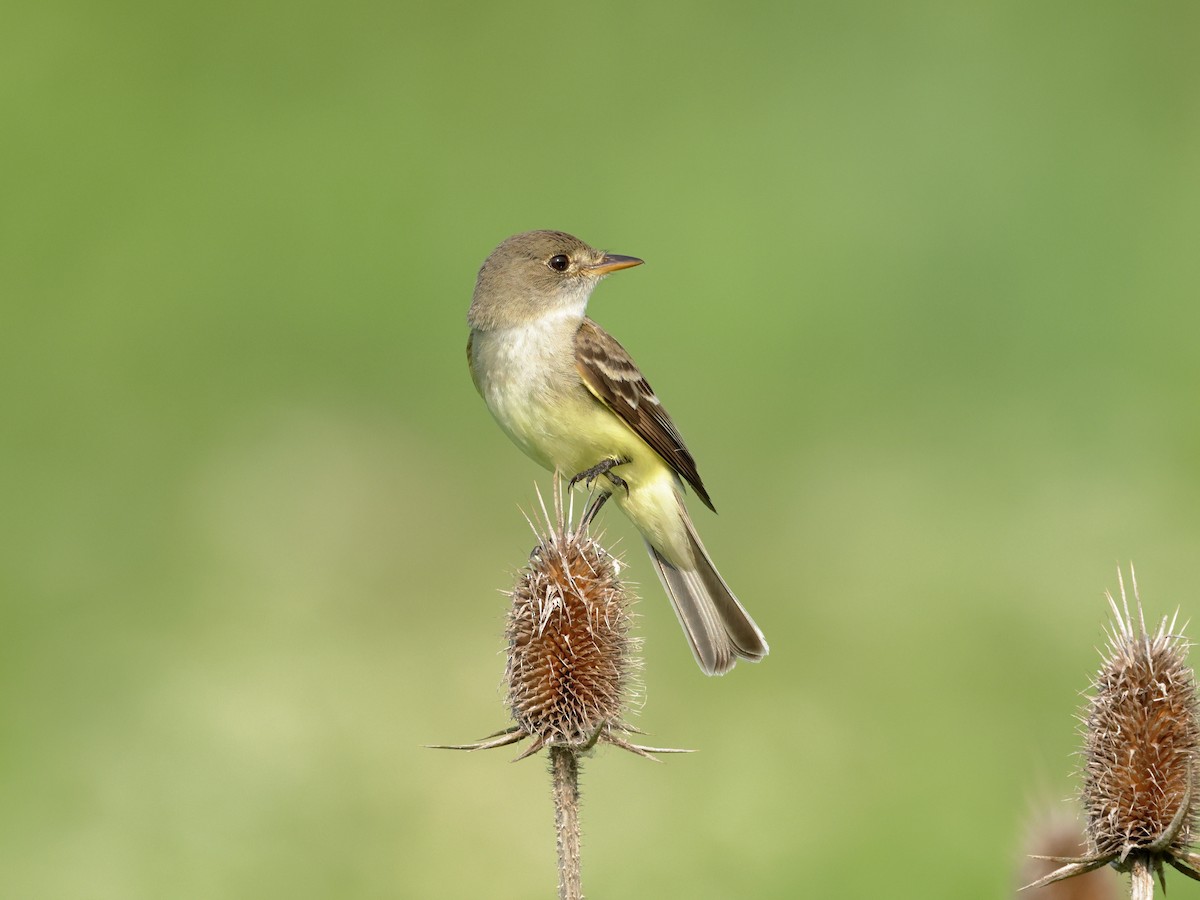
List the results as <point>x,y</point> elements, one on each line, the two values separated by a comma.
<point>538,399</point>
<point>572,434</point>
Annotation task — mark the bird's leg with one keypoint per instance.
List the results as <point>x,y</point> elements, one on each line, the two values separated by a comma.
<point>604,467</point>
<point>592,508</point>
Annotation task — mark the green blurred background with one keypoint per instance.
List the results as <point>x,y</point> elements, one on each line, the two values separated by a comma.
<point>921,293</point>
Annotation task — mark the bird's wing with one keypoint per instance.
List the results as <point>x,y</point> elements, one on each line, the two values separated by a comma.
<point>471,362</point>
<point>612,376</point>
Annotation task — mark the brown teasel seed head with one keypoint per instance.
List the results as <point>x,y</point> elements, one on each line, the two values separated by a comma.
<point>1141,743</point>
<point>1140,757</point>
<point>570,654</point>
<point>572,663</point>
<point>1054,834</point>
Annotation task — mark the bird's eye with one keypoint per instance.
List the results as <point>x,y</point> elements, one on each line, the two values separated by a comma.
<point>559,263</point>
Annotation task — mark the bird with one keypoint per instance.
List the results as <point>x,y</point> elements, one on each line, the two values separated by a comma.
<point>571,397</point>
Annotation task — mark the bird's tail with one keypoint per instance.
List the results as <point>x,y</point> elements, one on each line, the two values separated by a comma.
<point>717,625</point>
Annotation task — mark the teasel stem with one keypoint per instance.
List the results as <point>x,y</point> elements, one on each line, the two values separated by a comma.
<point>1141,880</point>
<point>564,771</point>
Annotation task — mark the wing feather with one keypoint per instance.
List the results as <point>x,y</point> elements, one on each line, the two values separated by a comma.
<point>611,375</point>
<point>471,363</point>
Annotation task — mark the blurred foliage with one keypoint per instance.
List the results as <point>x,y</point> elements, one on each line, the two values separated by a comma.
<point>921,293</point>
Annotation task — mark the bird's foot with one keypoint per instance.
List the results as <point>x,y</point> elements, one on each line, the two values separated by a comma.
<point>604,467</point>
<point>588,477</point>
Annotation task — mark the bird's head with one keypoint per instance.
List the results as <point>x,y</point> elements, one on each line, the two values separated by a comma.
<point>538,274</point>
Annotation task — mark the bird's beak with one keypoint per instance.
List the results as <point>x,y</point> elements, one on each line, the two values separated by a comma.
<point>611,262</point>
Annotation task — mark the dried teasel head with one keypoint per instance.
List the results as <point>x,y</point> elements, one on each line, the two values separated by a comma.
<point>571,660</point>
<point>1141,743</point>
<point>570,654</point>
<point>1141,755</point>
<point>1054,832</point>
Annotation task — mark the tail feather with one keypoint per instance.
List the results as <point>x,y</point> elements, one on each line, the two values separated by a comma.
<point>717,626</point>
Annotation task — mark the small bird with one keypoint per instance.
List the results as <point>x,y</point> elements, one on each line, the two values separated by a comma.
<point>570,396</point>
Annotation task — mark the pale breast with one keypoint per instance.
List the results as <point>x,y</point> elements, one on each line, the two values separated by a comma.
<point>528,380</point>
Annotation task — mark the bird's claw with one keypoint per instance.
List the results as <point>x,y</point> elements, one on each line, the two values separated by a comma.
<point>588,477</point>
<point>604,467</point>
